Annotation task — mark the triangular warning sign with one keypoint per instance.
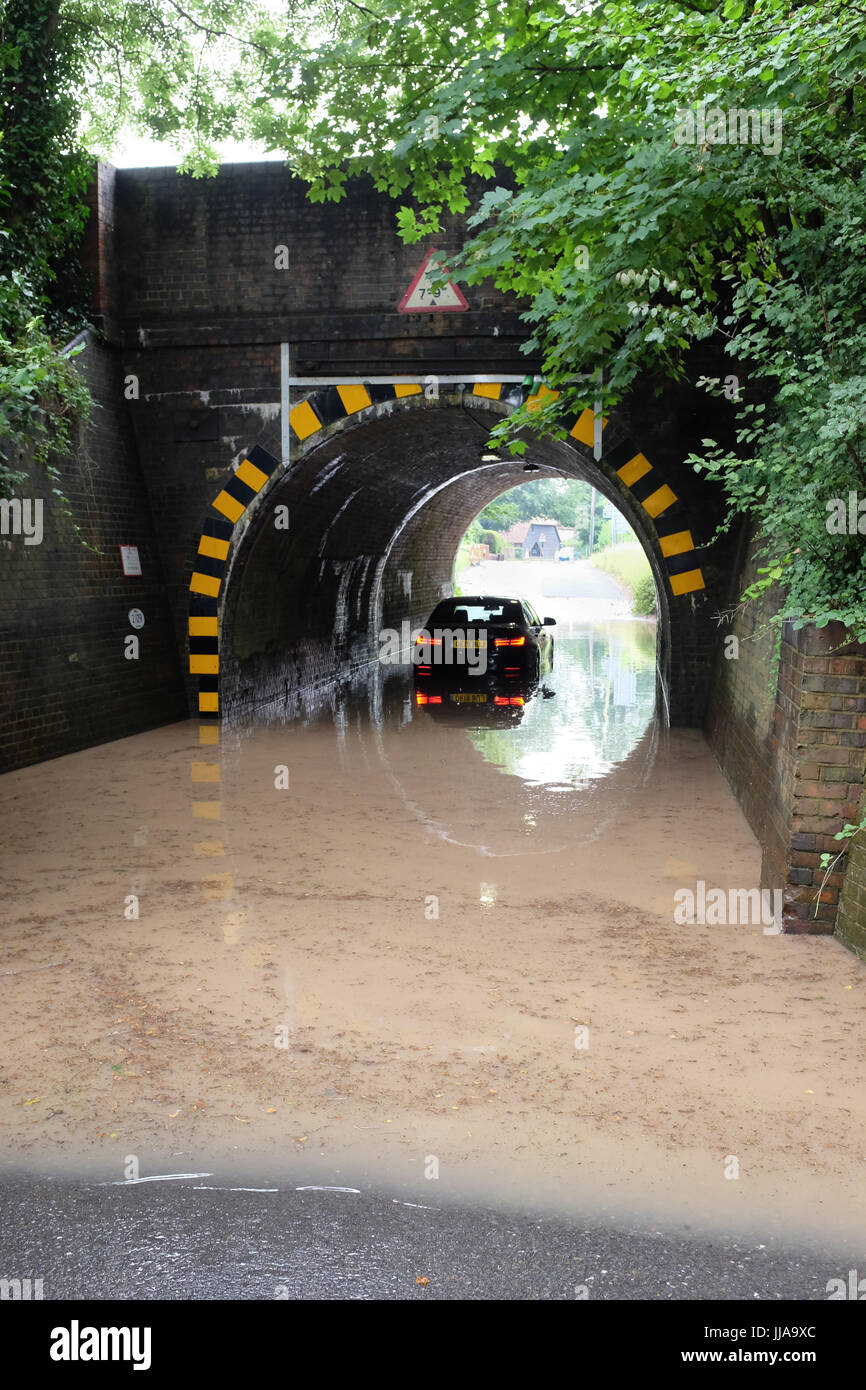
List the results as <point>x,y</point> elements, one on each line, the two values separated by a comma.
<point>422,298</point>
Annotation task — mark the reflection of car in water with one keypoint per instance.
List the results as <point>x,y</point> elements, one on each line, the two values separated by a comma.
<point>481,638</point>
<point>489,708</point>
<point>499,705</point>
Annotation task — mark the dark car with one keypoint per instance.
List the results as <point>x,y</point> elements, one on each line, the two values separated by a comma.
<point>482,638</point>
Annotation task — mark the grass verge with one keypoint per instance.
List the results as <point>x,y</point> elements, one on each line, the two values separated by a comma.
<point>628,563</point>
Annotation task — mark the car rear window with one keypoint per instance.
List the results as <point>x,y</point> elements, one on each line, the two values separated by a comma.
<point>457,611</point>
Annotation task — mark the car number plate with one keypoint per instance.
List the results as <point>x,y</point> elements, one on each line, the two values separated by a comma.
<point>470,698</point>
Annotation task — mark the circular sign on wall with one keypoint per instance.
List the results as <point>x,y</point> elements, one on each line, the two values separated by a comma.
<point>136,617</point>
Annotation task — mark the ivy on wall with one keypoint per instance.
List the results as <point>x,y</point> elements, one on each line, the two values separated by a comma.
<point>43,179</point>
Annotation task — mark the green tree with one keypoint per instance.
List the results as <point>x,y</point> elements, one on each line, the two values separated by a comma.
<point>634,230</point>
<point>565,501</point>
<point>73,73</point>
<point>499,514</point>
<point>42,183</point>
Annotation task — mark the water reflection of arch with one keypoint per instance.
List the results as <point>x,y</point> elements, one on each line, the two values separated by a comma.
<point>560,820</point>
<point>430,768</point>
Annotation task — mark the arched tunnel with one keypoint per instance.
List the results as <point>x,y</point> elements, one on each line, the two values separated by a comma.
<point>376,511</point>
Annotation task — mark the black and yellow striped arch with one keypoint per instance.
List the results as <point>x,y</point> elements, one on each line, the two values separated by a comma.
<point>332,404</point>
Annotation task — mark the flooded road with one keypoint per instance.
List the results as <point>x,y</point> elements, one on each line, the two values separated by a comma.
<point>375,945</point>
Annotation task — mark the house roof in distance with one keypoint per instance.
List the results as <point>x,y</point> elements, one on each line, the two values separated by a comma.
<point>518,530</point>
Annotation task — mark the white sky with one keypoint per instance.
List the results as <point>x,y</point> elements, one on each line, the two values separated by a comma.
<point>136,152</point>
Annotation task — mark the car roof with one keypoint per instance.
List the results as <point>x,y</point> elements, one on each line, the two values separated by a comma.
<point>487,600</point>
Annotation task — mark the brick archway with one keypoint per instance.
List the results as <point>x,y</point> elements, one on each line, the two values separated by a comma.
<point>327,418</point>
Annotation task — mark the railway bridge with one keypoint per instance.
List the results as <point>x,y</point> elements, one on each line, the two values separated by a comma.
<point>289,445</point>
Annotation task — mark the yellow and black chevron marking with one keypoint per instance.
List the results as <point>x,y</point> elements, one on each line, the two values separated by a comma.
<point>205,584</point>
<point>656,498</point>
<point>209,567</point>
<point>207,811</point>
<point>334,403</point>
<point>662,504</point>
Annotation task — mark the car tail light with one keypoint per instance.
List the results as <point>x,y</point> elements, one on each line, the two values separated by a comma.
<point>509,641</point>
<point>428,641</point>
<point>508,700</point>
<point>422,699</point>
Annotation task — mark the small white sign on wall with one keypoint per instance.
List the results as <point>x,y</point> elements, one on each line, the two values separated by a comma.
<point>130,559</point>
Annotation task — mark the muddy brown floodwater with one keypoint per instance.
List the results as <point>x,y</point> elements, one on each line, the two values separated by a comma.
<point>382,970</point>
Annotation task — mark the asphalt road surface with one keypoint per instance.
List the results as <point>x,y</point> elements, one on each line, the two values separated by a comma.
<point>539,579</point>
<point>200,1239</point>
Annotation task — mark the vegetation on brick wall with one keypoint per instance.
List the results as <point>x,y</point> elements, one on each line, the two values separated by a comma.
<point>73,73</point>
<point>646,211</point>
<point>645,215</point>
<point>43,178</point>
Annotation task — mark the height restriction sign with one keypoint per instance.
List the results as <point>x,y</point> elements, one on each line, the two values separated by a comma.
<point>422,298</point>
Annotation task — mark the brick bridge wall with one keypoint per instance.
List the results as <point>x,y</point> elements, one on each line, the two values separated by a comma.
<point>198,310</point>
<point>193,310</point>
<point>64,680</point>
<point>790,735</point>
<point>851,921</point>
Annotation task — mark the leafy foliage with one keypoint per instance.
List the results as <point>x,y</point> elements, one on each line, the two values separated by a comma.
<point>644,597</point>
<point>631,238</point>
<point>562,500</point>
<point>628,563</point>
<point>42,184</point>
<point>41,392</point>
<point>195,73</point>
<point>73,73</point>
<point>631,242</point>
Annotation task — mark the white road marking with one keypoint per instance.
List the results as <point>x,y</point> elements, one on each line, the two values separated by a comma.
<point>157,1177</point>
<point>329,1189</point>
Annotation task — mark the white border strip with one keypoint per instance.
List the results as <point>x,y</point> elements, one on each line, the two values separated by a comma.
<point>413,380</point>
<point>285,383</point>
